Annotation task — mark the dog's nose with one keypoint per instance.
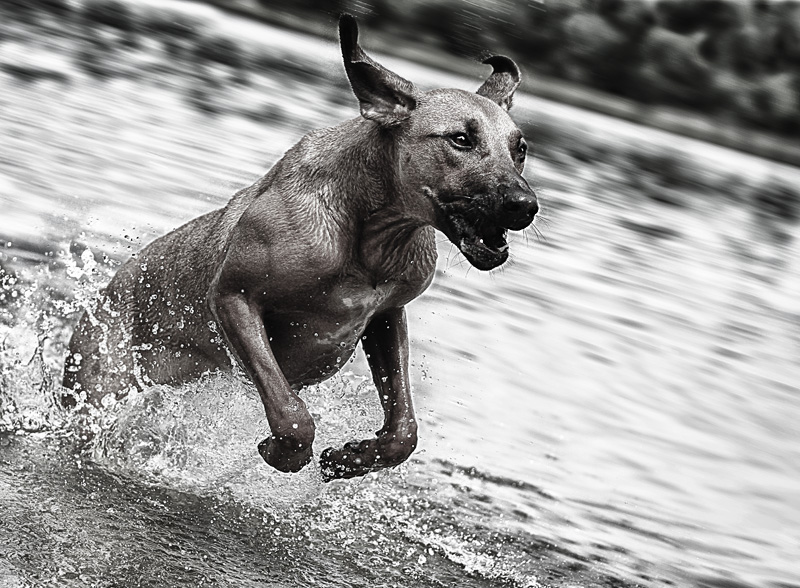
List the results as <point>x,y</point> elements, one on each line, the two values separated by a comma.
<point>518,208</point>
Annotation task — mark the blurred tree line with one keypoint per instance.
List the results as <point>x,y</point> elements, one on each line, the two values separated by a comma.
<point>739,59</point>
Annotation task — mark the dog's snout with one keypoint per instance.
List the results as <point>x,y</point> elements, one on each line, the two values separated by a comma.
<point>521,203</point>
<point>519,206</point>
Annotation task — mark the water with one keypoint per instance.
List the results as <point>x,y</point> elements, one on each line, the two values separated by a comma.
<point>618,406</point>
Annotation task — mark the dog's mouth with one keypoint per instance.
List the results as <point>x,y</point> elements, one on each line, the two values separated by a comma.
<point>482,242</point>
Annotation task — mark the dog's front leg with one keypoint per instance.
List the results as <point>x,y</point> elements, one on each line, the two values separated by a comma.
<point>385,342</point>
<point>288,448</point>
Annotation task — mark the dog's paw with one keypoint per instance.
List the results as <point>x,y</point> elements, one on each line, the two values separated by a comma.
<point>354,459</point>
<point>285,455</point>
<point>359,458</point>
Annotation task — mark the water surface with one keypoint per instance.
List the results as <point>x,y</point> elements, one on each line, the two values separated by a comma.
<point>617,406</point>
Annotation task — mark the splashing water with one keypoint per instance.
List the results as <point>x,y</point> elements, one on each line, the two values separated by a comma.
<point>199,439</point>
<point>200,436</point>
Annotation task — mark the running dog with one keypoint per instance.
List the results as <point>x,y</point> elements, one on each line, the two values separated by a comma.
<point>322,252</point>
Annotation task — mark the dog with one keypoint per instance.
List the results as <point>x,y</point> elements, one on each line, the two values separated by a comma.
<point>322,252</point>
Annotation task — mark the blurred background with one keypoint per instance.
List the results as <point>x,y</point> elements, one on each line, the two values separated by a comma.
<point>617,406</point>
<point>735,62</point>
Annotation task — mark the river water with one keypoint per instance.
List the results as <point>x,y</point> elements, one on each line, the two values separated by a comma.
<point>617,406</point>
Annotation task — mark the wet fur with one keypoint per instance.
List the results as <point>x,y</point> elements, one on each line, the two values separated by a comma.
<point>320,254</point>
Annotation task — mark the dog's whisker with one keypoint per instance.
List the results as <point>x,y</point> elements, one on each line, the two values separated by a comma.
<point>545,219</point>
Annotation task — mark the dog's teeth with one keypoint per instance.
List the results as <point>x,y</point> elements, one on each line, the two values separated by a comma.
<point>504,247</point>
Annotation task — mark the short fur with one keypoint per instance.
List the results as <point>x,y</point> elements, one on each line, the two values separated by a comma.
<point>322,252</point>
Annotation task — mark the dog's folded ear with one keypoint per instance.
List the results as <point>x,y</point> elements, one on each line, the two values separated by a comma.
<point>384,96</point>
<point>501,85</point>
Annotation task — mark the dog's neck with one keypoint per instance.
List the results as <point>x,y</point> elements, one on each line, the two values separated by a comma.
<point>349,170</point>
<point>391,246</point>
<point>349,174</point>
<point>390,242</point>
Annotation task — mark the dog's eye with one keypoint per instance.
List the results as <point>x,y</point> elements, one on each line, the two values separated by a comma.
<point>460,141</point>
<point>523,148</point>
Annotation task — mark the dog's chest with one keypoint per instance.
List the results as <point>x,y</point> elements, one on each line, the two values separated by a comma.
<point>353,301</point>
<point>313,338</point>
<point>355,298</point>
<point>383,275</point>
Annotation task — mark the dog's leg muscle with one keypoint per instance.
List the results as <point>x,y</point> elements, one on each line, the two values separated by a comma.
<point>288,448</point>
<point>386,345</point>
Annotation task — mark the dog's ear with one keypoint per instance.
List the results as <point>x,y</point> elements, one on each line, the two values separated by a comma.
<point>384,96</point>
<point>501,85</point>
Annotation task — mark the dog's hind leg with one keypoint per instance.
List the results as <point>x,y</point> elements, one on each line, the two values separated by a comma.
<point>98,363</point>
<point>385,342</point>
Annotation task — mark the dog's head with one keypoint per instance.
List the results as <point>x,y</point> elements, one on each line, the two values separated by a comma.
<point>459,155</point>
